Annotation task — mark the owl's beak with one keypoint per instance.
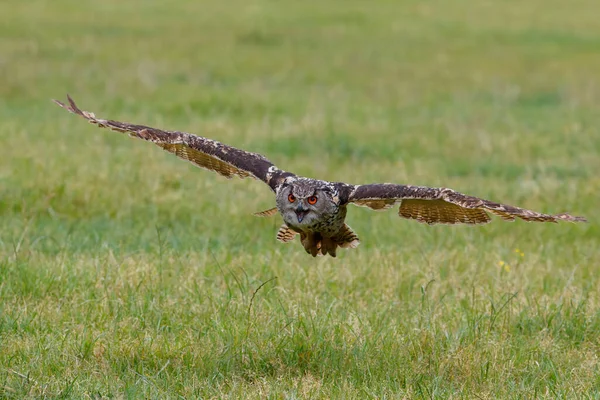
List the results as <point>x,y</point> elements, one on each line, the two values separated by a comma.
<point>301,212</point>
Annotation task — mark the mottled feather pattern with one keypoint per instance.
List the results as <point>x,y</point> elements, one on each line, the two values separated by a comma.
<point>317,244</point>
<point>285,234</point>
<point>321,225</point>
<point>446,206</point>
<point>346,238</point>
<point>267,213</point>
<point>376,204</point>
<point>440,211</point>
<point>206,153</point>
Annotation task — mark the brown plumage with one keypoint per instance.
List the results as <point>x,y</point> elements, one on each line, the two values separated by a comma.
<point>444,206</point>
<point>316,209</point>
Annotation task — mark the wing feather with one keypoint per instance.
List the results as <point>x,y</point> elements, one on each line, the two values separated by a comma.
<point>285,234</point>
<point>267,213</point>
<point>205,153</point>
<point>443,205</point>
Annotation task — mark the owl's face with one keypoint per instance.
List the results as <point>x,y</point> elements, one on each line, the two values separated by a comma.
<point>303,205</point>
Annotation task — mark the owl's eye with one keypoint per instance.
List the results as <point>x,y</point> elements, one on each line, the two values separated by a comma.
<point>312,200</point>
<point>291,198</point>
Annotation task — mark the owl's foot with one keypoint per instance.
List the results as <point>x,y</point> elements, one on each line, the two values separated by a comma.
<point>317,245</point>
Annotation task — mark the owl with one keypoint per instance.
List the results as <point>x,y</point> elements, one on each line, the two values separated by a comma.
<point>316,209</point>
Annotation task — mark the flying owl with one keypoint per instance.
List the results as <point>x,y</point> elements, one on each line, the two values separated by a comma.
<point>316,209</point>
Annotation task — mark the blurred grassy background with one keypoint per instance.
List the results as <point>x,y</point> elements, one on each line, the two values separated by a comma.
<point>127,273</point>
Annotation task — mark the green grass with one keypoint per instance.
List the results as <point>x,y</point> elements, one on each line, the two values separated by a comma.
<point>126,273</point>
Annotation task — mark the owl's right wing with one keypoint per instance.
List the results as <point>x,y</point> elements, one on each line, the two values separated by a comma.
<point>442,205</point>
<point>205,153</point>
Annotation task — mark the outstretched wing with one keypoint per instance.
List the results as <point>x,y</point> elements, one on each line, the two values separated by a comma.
<point>442,205</point>
<point>205,153</point>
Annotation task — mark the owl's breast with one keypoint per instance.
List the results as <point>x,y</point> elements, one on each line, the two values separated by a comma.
<point>327,224</point>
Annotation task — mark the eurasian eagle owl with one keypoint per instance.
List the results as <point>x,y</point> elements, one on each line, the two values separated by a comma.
<point>315,209</point>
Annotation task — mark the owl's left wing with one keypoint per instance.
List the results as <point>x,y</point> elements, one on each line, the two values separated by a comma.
<point>442,205</point>
<point>205,153</point>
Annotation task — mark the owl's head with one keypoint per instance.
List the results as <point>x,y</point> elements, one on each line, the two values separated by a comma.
<point>303,202</point>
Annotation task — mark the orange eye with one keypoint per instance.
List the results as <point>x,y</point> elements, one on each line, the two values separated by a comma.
<point>291,198</point>
<point>312,200</point>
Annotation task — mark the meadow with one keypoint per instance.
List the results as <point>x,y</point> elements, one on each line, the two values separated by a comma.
<point>127,273</point>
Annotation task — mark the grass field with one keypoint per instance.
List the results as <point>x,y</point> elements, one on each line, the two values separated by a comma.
<point>127,273</point>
